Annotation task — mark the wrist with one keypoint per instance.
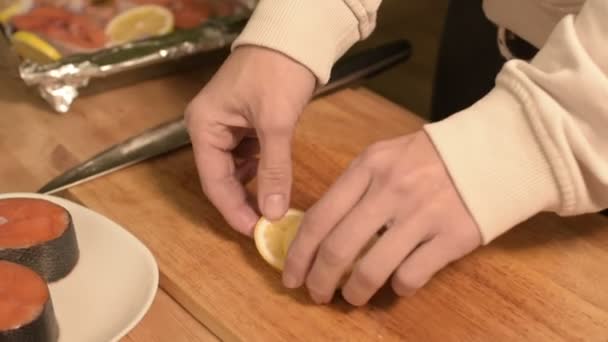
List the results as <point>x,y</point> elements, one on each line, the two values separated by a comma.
<point>496,163</point>
<point>274,58</point>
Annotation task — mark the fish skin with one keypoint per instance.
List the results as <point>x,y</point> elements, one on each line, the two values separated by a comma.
<point>52,260</point>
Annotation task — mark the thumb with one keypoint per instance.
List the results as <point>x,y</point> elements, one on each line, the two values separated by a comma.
<point>274,170</point>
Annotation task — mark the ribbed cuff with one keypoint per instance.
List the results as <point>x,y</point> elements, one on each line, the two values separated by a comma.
<point>496,163</point>
<point>316,33</point>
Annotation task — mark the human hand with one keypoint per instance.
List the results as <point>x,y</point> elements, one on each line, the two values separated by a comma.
<point>400,184</point>
<point>250,106</point>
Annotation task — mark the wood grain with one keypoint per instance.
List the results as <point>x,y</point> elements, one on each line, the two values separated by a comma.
<point>168,321</point>
<point>524,286</point>
<point>543,281</point>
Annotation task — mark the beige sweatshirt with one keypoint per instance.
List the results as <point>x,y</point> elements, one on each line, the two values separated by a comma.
<point>534,143</point>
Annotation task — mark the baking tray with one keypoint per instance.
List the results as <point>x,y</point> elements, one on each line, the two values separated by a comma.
<point>60,82</point>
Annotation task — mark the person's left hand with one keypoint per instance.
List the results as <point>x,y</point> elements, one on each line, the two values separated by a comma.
<point>400,184</point>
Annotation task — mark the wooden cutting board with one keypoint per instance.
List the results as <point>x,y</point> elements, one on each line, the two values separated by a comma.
<point>168,321</point>
<point>542,281</point>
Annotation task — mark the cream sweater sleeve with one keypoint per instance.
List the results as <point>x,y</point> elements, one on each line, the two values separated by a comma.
<point>539,140</point>
<point>313,32</point>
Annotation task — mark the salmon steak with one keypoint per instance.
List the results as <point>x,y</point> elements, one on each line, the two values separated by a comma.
<point>26,307</point>
<point>40,235</point>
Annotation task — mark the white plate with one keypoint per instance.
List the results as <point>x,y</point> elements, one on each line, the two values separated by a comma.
<point>112,286</point>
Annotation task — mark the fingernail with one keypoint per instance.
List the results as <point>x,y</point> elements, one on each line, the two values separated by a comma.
<point>274,206</point>
<point>290,281</point>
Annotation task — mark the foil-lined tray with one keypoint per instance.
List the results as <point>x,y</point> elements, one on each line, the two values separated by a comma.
<point>60,82</point>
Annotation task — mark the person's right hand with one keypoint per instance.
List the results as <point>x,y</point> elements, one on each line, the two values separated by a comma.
<point>251,105</point>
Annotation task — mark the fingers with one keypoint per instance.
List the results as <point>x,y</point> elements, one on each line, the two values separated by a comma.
<point>319,221</point>
<point>274,171</point>
<point>376,267</point>
<point>221,185</point>
<point>422,265</point>
<point>429,226</point>
<point>341,248</point>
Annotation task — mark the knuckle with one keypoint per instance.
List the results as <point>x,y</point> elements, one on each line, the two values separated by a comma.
<point>313,286</point>
<point>311,227</point>
<point>199,101</point>
<point>275,124</point>
<point>295,260</point>
<point>274,174</point>
<point>378,146</point>
<point>400,181</point>
<point>332,254</point>
<point>205,188</point>
<point>366,278</point>
<point>374,156</point>
<point>356,163</point>
<point>406,282</point>
<point>195,118</point>
<point>462,239</point>
<point>404,179</point>
<point>189,113</point>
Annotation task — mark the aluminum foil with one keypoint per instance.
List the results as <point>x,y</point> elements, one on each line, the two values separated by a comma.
<point>59,82</point>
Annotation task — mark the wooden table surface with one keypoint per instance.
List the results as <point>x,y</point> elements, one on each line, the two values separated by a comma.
<point>543,281</point>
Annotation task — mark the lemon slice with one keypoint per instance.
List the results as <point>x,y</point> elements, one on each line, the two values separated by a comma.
<point>9,9</point>
<point>272,239</point>
<point>138,23</point>
<point>30,46</point>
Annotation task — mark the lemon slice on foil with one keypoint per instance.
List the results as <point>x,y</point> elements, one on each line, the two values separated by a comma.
<point>11,8</point>
<point>31,47</point>
<point>138,23</point>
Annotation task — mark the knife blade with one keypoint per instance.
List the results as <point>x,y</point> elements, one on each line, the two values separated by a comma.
<point>173,135</point>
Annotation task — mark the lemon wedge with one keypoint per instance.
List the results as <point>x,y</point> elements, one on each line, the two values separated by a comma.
<point>31,47</point>
<point>9,9</point>
<point>138,23</point>
<point>272,239</point>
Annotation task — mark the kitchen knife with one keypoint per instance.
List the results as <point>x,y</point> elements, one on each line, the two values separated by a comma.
<point>173,135</point>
